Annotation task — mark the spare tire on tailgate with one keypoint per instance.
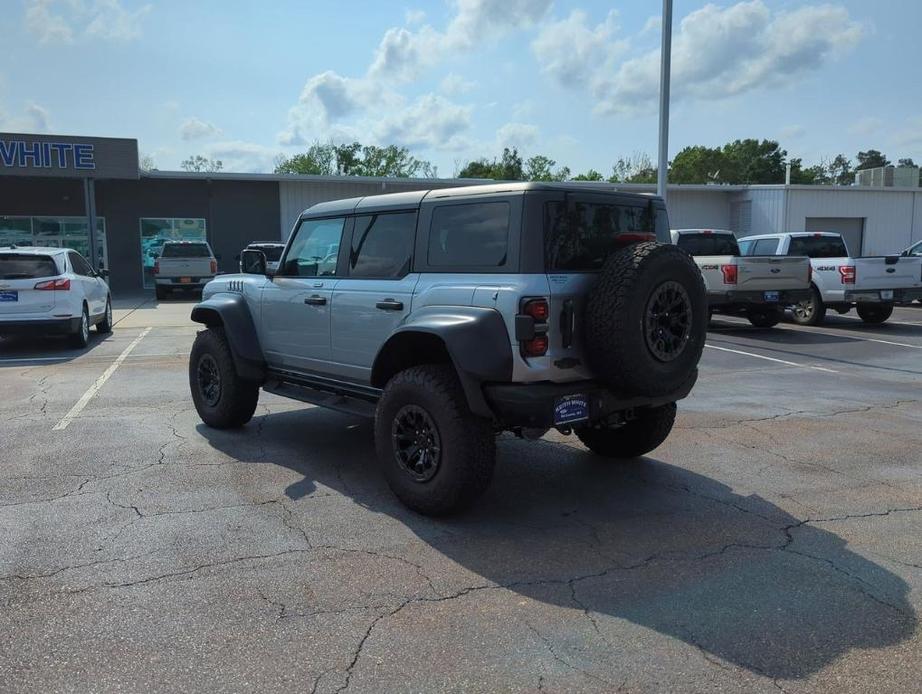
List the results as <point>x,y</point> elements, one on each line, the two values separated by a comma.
<point>646,320</point>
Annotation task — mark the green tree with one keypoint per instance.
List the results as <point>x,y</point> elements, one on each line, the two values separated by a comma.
<point>508,168</point>
<point>871,160</point>
<point>541,168</point>
<point>355,159</point>
<point>812,175</point>
<point>638,168</point>
<point>905,163</point>
<point>591,175</point>
<point>839,170</point>
<point>201,164</point>
<point>699,164</point>
<point>751,161</point>
<point>318,160</point>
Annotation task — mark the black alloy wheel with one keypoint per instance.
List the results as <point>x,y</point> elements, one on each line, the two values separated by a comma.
<point>417,444</point>
<point>209,380</point>
<point>668,320</point>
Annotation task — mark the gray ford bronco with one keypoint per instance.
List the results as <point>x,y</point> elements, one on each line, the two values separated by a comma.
<point>450,316</point>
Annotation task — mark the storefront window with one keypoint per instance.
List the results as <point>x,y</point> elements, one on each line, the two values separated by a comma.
<point>154,231</point>
<point>55,232</point>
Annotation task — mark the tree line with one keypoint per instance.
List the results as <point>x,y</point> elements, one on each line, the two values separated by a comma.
<point>746,161</point>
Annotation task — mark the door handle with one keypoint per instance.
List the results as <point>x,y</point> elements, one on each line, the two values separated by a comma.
<point>390,305</point>
<point>315,300</point>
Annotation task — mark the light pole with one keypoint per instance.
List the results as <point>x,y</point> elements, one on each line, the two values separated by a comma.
<point>665,65</point>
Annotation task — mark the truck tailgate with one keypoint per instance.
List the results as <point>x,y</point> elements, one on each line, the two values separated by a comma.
<point>185,267</point>
<point>760,273</point>
<point>888,272</point>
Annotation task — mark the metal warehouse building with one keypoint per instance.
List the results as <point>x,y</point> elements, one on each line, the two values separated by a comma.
<point>54,190</point>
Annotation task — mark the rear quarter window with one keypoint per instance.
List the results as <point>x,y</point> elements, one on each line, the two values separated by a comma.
<point>14,266</point>
<point>472,235</point>
<point>185,250</point>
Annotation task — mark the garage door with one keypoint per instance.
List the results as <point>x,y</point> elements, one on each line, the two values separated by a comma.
<point>851,228</point>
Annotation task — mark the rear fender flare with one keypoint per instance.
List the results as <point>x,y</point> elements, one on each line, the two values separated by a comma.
<point>231,312</point>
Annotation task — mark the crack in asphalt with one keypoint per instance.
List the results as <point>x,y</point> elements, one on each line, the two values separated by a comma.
<point>563,661</point>
<point>795,413</point>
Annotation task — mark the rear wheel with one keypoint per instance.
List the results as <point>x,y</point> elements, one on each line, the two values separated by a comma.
<point>222,399</point>
<point>811,311</point>
<point>639,436</point>
<point>436,455</point>
<point>874,313</point>
<point>81,338</point>
<point>105,325</point>
<point>765,317</point>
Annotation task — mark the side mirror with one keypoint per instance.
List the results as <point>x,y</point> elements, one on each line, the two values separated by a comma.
<point>253,262</point>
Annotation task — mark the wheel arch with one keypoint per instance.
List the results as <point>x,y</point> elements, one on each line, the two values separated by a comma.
<point>231,313</point>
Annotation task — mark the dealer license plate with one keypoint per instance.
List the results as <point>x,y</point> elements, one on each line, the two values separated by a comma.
<point>886,294</point>
<point>572,408</point>
<point>185,280</point>
<point>772,297</point>
<point>9,296</point>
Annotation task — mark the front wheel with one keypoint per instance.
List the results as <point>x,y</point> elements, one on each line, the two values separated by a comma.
<point>765,318</point>
<point>811,311</point>
<point>874,313</point>
<point>222,399</point>
<point>436,455</point>
<point>641,435</point>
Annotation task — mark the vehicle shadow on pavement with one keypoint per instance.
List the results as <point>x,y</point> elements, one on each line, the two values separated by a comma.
<point>56,347</point>
<point>667,549</point>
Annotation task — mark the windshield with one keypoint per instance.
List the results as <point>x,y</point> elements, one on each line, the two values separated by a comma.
<point>708,244</point>
<point>25,267</point>
<point>818,247</point>
<point>185,250</point>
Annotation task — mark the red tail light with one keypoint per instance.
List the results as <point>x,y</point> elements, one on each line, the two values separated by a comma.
<point>537,309</point>
<point>536,346</point>
<point>214,266</point>
<point>625,239</point>
<point>156,267</point>
<point>729,273</point>
<point>847,273</point>
<point>61,284</point>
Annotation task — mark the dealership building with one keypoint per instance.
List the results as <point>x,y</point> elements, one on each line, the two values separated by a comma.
<point>85,192</point>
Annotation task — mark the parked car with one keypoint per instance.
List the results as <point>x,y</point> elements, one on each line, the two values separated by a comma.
<point>272,252</point>
<point>184,265</point>
<point>52,291</point>
<point>756,288</point>
<point>871,285</point>
<point>451,315</point>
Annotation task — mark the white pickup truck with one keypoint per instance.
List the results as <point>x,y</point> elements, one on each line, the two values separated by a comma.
<point>757,288</point>
<point>872,285</point>
<point>184,265</point>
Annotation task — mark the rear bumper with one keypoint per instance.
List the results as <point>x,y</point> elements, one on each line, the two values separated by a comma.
<point>876,296</point>
<point>57,326</point>
<point>533,404</point>
<point>730,300</point>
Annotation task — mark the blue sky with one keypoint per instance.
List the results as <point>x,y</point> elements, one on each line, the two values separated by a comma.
<point>455,79</point>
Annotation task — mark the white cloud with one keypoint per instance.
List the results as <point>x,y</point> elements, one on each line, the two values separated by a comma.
<point>196,129</point>
<point>571,51</point>
<point>61,21</point>
<point>34,119</point>
<point>454,85</point>
<point>792,132</point>
<point>517,135</point>
<point>717,52</point>
<point>653,25</point>
<point>412,17</point>
<point>431,121</point>
<point>865,127</point>
<point>909,137</point>
<point>245,157</point>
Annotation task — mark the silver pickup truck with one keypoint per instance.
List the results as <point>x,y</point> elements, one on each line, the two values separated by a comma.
<point>756,288</point>
<point>871,285</point>
<point>184,265</point>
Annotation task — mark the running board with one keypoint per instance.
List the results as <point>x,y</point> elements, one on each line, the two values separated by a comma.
<point>333,401</point>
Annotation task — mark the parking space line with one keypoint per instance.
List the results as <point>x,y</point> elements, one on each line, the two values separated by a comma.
<point>100,382</point>
<point>20,360</point>
<point>773,359</point>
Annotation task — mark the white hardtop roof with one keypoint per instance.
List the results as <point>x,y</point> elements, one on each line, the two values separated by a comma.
<point>33,250</point>
<point>703,231</point>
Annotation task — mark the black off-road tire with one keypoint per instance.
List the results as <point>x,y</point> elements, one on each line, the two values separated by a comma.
<point>236,398</point>
<point>104,326</point>
<point>467,445</point>
<point>765,318</point>
<point>619,320</point>
<point>81,338</point>
<point>810,312</point>
<point>636,438</point>
<point>874,313</point>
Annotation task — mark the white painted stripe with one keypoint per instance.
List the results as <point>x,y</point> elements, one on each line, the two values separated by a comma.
<point>20,360</point>
<point>777,361</point>
<point>100,382</point>
<point>889,320</point>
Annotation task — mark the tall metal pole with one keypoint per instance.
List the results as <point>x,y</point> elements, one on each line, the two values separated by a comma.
<point>664,75</point>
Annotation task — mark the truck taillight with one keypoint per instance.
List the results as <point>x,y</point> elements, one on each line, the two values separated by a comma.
<point>537,309</point>
<point>847,273</point>
<point>729,273</point>
<point>536,346</point>
<point>214,266</point>
<point>156,267</point>
<point>531,327</point>
<point>61,284</point>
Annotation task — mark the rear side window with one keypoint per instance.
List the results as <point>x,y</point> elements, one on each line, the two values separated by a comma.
<point>579,236</point>
<point>474,234</point>
<point>745,247</point>
<point>764,247</point>
<point>708,244</point>
<point>26,267</point>
<point>818,247</point>
<point>382,245</point>
<point>185,250</point>
<point>79,264</point>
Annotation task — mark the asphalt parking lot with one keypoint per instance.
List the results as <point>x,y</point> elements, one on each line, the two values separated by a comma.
<point>773,543</point>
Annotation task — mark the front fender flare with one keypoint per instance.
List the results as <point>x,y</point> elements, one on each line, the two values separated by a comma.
<point>231,312</point>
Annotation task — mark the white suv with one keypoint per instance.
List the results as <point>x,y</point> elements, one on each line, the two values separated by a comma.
<point>51,291</point>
